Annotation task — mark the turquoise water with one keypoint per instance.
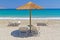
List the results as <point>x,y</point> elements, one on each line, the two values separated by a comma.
<point>25,13</point>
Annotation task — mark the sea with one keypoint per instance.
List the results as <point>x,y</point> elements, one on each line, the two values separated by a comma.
<point>40,13</point>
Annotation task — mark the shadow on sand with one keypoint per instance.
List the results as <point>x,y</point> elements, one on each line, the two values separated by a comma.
<point>18,33</point>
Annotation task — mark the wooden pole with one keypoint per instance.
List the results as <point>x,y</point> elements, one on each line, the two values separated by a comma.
<point>30,19</point>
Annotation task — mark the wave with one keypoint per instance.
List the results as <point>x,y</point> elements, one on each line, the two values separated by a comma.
<point>28,18</point>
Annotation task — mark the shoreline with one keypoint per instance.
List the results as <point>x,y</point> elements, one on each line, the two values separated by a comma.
<point>28,18</point>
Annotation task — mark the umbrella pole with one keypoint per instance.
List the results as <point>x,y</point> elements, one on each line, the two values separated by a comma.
<point>30,19</point>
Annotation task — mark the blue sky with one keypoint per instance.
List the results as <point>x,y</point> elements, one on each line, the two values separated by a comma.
<point>12,4</point>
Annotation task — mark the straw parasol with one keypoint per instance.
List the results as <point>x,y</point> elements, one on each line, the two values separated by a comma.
<point>29,6</point>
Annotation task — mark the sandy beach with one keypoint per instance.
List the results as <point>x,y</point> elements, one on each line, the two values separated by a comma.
<point>49,32</point>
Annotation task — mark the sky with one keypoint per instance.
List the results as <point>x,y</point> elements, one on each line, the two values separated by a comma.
<point>13,4</point>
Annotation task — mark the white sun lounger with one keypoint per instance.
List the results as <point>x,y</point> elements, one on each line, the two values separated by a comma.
<point>14,23</point>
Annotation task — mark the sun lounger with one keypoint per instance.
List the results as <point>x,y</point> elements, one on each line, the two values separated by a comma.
<point>14,24</point>
<point>41,24</point>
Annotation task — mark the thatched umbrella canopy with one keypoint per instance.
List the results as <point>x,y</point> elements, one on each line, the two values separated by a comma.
<point>29,6</point>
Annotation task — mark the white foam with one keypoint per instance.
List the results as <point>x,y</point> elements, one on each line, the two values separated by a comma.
<point>28,18</point>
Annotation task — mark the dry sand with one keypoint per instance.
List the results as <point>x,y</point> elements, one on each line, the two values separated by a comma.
<point>49,32</point>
